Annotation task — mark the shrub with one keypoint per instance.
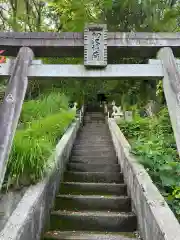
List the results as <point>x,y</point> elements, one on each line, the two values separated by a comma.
<point>43,106</point>
<point>153,142</point>
<point>135,128</point>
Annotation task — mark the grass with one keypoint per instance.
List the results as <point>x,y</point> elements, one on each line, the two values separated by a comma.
<point>46,122</point>
<point>43,106</point>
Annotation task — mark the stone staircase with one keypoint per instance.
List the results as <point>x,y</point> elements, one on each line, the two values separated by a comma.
<point>93,202</point>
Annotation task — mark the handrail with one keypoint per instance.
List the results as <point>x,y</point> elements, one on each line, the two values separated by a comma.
<point>171,85</point>
<point>10,109</point>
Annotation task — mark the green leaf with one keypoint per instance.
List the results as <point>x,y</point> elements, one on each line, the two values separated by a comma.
<point>167,181</point>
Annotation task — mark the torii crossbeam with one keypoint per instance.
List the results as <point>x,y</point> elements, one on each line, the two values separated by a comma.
<point>71,44</point>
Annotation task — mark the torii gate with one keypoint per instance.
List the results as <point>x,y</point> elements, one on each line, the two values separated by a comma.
<point>96,44</point>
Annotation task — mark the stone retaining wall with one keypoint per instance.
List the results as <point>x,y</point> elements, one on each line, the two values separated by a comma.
<point>155,218</point>
<point>27,222</point>
<point>8,203</point>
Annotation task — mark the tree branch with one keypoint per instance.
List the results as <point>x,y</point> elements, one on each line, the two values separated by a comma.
<point>34,2</point>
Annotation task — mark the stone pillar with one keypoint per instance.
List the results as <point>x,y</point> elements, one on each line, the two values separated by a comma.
<point>128,116</point>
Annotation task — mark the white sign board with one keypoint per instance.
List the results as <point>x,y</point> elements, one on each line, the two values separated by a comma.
<point>95,46</point>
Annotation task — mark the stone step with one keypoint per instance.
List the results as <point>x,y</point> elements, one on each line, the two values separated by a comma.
<point>94,126</point>
<point>98,121</point>
<point>99,135</point>
<point>93,221</point>
<point>93,143</point>
<point>91,113</point>
<point>94,150</point>
<point>95,132</point>
<point>93,188</point>
<point>91,153</point>
<point>85,167</point>
<point>102,134</point>
<point>94,119</point>
<point>94,139</point>
<point>93,203</point>
<point>106,177</point>
<point>87,129</point>
<point>72,235</point>
<point>94,159</point>
<point>94,123</point>
<point>95,115</point>
<point>94,129</point>
<point>95,135</point>
<point>93,146</point>
<point>98,138</point>
<point>87,138</point>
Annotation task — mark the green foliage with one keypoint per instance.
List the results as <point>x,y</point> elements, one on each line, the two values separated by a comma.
<point>153,143</point>
<point>159,91</point>
<point>48,118</point>
<point>146,15</point>
<point>174,200</point>
<point>162,123</point>
<point>33,146</point>
<point>71,15</point>
<point>135,129</point>
<point>43,106</point>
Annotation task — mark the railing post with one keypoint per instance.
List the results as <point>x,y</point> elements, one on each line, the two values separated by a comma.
<point>82,115</point>
<point>10,109</point>
<point>171,85</point>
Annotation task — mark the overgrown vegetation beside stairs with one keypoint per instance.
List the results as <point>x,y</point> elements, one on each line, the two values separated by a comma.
<point>153,142</point>
<point>43,123</point>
